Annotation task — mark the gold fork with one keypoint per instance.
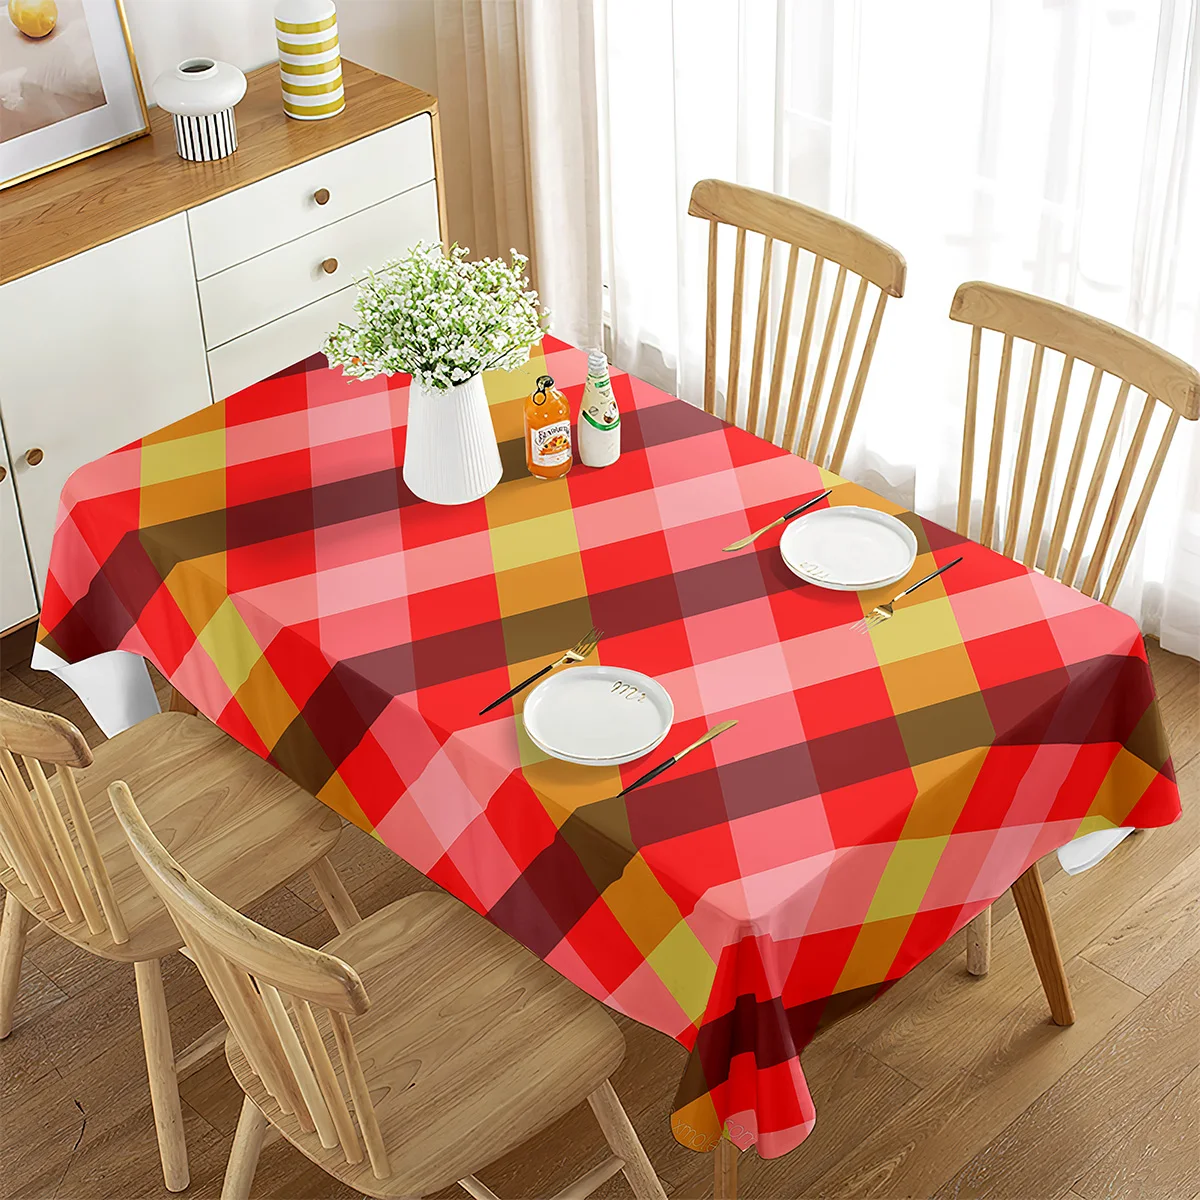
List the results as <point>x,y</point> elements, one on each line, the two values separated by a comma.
<point>742,543</point>
<point>883,612</point>
<point>577,653</point>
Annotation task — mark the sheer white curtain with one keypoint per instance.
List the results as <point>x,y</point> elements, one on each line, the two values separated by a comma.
<point>517,100</point>
<point>1050,147</point>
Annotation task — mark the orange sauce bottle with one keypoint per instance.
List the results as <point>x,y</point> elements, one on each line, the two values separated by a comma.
<point>547,431</point>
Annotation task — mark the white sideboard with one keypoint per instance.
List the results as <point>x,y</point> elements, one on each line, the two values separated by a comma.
<point>160,312</point>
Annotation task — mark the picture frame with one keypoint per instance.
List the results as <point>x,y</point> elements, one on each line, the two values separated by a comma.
<point>69,84</point>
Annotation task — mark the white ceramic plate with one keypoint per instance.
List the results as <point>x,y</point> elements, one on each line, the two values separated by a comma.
<point>849,549</point>
<point>598,716</point>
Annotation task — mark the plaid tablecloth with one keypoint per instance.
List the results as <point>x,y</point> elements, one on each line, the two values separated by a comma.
<point>876,794</point>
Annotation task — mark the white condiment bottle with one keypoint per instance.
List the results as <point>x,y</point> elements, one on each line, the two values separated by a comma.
<point>599,436</point>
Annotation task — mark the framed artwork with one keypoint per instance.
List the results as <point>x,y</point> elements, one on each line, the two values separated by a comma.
<point>69,84</point>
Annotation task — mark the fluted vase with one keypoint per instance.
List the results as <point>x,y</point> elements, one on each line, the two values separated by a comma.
<point>450,455</point>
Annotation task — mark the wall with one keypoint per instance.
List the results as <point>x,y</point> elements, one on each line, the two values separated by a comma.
<point>391,36</point>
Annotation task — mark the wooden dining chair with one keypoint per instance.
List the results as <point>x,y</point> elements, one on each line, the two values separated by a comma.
<point>410,1051</point>
<point>239,824</point>
<point>1079,550</point>
<point>808,420</point>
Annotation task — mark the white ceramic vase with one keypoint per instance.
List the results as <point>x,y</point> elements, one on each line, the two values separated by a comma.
<point>450,455</point>
<point>200,94</point>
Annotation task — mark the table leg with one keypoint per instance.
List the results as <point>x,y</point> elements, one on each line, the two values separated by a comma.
<point>725,1160</point>
<point>1030,896</point>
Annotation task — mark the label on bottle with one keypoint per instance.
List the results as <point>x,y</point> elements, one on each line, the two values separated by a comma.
<point>599,405</point>
<point>551,444</point>
<point>605,417</point>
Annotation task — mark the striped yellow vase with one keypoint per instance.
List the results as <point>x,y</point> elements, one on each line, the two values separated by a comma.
<point>310,67</point>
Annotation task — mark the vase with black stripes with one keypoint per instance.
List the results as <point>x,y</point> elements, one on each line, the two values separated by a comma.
<point>200,94</point>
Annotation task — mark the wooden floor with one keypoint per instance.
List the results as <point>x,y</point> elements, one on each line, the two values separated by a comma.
<point>949,1087</point>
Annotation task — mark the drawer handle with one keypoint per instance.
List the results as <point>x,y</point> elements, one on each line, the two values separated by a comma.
<point>321,195</point>
<point>34,456</point>
<point>3,474</point>
<point>329,266</point>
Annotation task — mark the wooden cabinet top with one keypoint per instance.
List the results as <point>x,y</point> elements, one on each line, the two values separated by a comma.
<point>64,212</point>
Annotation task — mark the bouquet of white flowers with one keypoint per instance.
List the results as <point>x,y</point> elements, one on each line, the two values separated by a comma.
<point>440,318</point>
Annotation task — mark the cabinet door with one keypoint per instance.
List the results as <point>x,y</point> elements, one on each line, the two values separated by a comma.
<point>98,351</point>
<point>17,602</point>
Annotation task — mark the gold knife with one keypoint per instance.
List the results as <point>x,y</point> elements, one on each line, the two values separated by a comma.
<point>649,775</point>
<point>742,543</point>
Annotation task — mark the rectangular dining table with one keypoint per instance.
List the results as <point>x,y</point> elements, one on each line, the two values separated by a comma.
<point>879,790</point>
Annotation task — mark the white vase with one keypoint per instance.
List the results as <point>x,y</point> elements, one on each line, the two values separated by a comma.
<point>200,94</point>
<point>450,454</point>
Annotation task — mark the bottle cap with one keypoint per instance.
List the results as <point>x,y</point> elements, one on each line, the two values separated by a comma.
<point>597,362</point>
<point>544,383</point>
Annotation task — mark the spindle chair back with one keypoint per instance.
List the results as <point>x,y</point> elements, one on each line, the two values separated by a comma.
<point>55,856</point>
<point>1079,549</point>
<point>262,983</point>
<point>801,414</point>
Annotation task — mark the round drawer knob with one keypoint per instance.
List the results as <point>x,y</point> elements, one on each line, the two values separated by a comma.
<point>329,266</point>
<point>34,456</point>
<point>321,195</point>
<point>3,474</point>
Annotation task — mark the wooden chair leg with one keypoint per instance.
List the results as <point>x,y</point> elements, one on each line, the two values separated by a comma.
<point>160,1067</point>
<point>979,943</point>
<point>725,1170</point>
<point>1039,931</point>
<point>243,1154</point>
<point>333,895</point>
<point>180,703</point>
<point>12,950</point>
<point>623,1141</point>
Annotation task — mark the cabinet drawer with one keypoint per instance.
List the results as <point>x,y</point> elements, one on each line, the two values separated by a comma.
<point>255,355</point>
<point>267,287</point>
<point>266,214</point>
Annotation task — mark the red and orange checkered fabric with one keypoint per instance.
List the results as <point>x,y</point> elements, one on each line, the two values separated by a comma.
<point>876,794</point>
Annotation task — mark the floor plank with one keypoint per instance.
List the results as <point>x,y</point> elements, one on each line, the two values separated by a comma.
<point>1160,1159</point>
<point>92,1134</point>
<point>1094,1105</point>
<point>36,993</point>
<point>1157,934</point>
<point>941,1127</point>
